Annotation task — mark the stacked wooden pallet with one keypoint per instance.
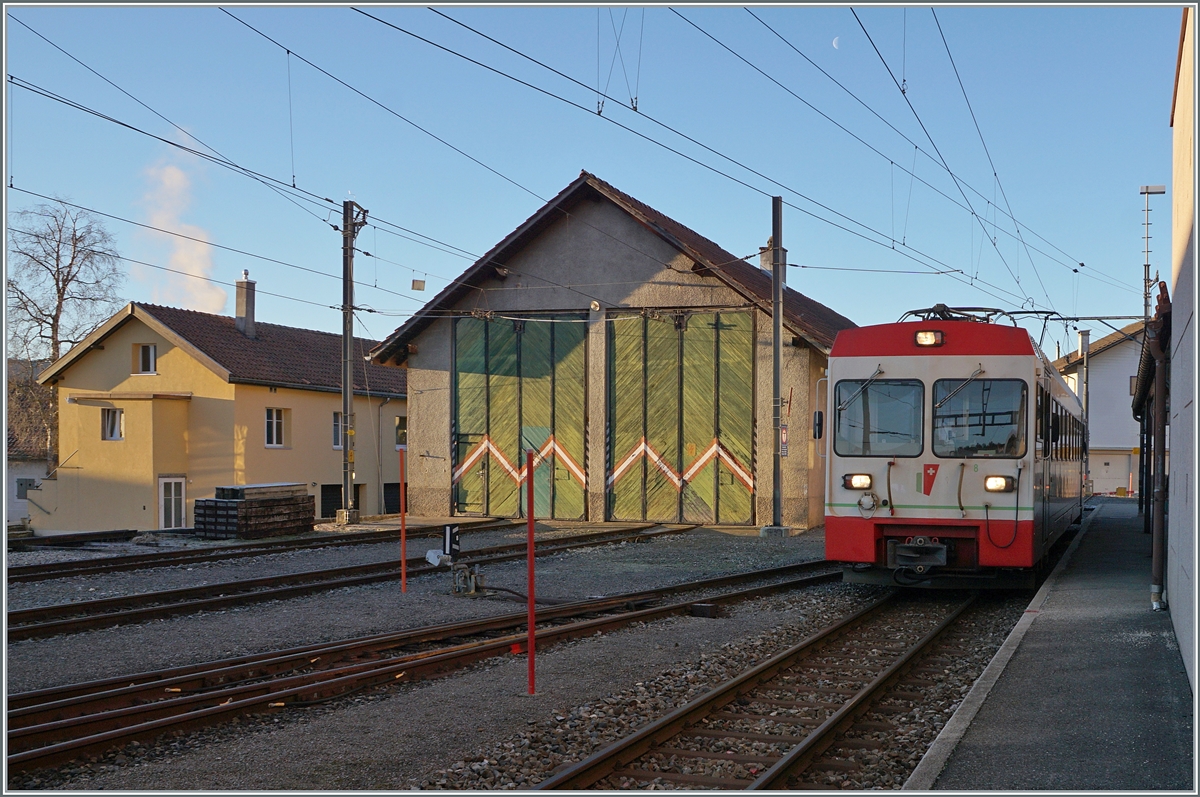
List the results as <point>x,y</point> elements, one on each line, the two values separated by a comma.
<point>249,511</point>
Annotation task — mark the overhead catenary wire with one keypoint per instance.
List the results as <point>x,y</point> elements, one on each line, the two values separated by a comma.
<point>945,267</point>
<point>241,169</point>
<point>909,254</point>
<point>208,243</point>
<point>315,198</point>
<point>873,112</point>
<point>995,174</point>
<point>212,159</point>
<point>218,160</point>
<point>182,130</point>
<point>932,143</point>
<point>214,280</point>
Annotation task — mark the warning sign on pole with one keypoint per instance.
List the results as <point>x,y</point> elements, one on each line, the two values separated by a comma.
<point>783,440</point>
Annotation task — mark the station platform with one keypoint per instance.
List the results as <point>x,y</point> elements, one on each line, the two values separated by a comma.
<point>1089,692</point>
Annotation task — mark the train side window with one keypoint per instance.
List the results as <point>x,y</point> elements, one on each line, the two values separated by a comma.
<point>1040,425</point>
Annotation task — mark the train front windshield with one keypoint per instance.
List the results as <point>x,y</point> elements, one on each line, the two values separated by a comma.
<point>878,418</point>
<point>980,418</point>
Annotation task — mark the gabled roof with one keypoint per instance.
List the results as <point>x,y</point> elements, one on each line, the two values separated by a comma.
<point>1071,360</point>
<point>811,320</point>
<point>276,356</point>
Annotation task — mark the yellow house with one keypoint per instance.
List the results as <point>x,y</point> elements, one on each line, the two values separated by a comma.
<point>159,406</point>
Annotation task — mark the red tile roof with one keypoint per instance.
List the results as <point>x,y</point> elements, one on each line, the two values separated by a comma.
<point>812,320</point>
<point>277,355</point>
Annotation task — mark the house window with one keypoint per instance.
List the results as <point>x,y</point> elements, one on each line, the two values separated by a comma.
<point>147,358</point>
<point>337,430</point>
<point>275,418</point>
<point>112,424</point>
<point>401,431</point>
<point>1133,385</point>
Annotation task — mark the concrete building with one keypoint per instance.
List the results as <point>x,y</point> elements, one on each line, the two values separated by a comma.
<point>159,406</point>
<point>1113,434</point>
<point>1164,397</point>
<point>1181,521</point>
<point>632,354</point>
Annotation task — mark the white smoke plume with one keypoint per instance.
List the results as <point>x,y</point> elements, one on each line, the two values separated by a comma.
<point>167,199</point>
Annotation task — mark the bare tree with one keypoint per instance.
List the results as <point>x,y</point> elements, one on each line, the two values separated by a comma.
<point>63,282</point>
<point>63,279</point>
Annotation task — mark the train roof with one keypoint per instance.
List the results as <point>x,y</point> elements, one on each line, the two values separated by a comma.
<point>958,337</point>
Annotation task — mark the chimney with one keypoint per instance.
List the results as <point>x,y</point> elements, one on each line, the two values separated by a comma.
<point>766,258</point>
<point>245,305</point>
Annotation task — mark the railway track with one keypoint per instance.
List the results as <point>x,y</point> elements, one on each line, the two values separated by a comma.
<point>78,616</point>
<point>51,726</point>
<point>782,723</point>
<point>114,564</point>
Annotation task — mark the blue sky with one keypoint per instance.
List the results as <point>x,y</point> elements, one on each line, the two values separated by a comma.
<point>1072,103</point>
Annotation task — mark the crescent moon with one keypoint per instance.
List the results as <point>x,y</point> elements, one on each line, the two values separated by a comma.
<point>835,41</point>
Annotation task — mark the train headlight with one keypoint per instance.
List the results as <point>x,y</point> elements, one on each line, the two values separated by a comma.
<point>857,481</point>
<point>930,337</point>
<point>999,484</point>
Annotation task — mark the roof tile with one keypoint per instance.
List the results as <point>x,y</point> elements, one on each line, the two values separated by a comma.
<point>279,355</point>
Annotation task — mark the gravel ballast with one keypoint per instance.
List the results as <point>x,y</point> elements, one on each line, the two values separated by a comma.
<point>476,729</point>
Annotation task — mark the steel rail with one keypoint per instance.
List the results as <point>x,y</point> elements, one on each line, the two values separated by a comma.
<point>145,685</point>
<point>106,612</point>
<point>145,561</point>
<point>777,776</point>
<point>42,745</point>
<point>614,759</point>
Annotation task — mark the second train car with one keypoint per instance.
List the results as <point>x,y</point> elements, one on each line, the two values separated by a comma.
<point>954,453</point>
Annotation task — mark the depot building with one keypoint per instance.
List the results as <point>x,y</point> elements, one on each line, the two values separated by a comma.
<point>632,355</point>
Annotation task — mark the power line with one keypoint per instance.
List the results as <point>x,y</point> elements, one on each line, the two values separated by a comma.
<point>989,154</point>
<point>932,143</point>
<point>900,133</point>
<point>207,243</point>
<point>1073,265</point>
<point>33,234</point>
<point>677,152</point>
<point>159,115</point>
<point>243,170</point>
<point>219,161</point>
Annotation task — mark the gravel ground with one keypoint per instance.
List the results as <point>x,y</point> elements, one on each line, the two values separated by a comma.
<point>478,729</point>
<point>359,611</point>
<point>28,594</point>
<point>439,732</point>
<point>51,592</point>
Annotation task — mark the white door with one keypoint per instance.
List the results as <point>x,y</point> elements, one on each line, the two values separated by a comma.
<point>171,514</point>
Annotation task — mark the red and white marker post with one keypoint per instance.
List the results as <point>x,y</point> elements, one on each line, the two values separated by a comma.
<point>529,555</point>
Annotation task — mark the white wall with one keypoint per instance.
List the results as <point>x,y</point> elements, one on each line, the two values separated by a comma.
<point>1181,522</point>
<point>17,508</point>
<point>1112,424</point>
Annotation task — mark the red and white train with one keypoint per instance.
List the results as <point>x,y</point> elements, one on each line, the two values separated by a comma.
<point>955,453</point>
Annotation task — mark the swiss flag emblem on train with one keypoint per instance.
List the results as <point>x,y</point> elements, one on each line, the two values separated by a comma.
<point>929,475</point>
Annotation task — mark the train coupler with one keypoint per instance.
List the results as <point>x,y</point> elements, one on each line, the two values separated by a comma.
<point>918,554</point>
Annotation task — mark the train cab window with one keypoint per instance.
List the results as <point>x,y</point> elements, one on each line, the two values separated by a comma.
<point>879,418</point>
<point>979,418</point>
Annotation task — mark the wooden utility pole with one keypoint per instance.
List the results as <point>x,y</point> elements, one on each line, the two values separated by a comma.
<point>353,218</point>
